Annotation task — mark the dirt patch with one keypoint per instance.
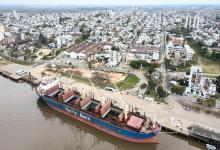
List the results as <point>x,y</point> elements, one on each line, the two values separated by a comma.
<point>42,52</point>
<point>114,77</point>
<point>4,62</point>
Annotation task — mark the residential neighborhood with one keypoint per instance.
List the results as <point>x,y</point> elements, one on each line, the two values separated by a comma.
<point>159,61</point>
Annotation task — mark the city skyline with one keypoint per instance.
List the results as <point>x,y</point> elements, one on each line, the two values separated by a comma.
<point>101,2</point>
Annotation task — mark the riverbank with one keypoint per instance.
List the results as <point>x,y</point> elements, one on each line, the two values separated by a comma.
<point>172,116</point>
<point>30,124</point>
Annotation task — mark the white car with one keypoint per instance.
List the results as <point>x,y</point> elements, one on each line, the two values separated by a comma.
<point>21,72</point>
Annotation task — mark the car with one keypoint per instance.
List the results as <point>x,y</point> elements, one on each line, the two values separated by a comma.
<point>21,72</point>
<point>110,89</point>
<point>35,65</point>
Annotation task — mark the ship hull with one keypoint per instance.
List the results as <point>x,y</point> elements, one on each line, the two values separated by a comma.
<point>101,124</point>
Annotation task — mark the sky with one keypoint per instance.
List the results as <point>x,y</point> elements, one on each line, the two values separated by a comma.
<point>109,2</point>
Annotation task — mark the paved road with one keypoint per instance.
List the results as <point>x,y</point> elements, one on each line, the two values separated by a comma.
<point>162,68</point>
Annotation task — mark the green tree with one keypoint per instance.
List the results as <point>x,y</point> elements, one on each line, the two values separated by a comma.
<point>114,48</point>
<point>85,36</point>
<point>161,92</point>
<point>218,84</point>
<point>178,90</point>
<point>37,44</point>
<point>167,38</point>
<point>42,39</point>
<point>152,84</point>
<point>151,69</point>
<point>214,44</point>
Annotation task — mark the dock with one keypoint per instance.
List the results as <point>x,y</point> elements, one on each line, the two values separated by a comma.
<point>9,71</point>
<point>197,132</point>
<point>10,75</point>
<point>204,134</point>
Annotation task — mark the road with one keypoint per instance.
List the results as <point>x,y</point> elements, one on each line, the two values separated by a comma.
<point>162,68</point>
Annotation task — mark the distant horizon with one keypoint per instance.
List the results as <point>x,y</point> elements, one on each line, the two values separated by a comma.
<point>99,5</point>
<point>108,2</point>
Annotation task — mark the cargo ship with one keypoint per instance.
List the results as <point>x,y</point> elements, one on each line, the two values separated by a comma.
<point>104,116</point>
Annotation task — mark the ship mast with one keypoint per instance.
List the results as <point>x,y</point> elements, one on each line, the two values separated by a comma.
<point>124,105</point>
<point>93,86</point>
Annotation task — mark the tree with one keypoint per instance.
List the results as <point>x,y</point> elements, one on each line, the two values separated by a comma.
<point>215,55</point>
<point>42,39</point>
<point>161,92</point>
<point>85,36</point>
<point>167,38</point>
<point>143,85</point>
<point>183,82</point>
<point>151,69</point>
<point>37,44</point>
<point>152,84</point>
<point>200,44</point>
<point>214,44</point>
<point>82,28</point>
<point>203,51</point>
<point>114,48</point>
<point>218,84</point>
<point>178,90</point>
<point>138,32</point>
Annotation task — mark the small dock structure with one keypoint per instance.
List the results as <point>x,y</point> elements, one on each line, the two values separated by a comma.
<point>10,75</point>
<point>204,134</point>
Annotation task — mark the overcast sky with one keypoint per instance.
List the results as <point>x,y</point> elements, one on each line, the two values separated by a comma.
<point>109,2</point>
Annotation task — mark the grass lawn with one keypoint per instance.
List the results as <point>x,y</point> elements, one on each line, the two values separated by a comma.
<point>209,66</point>
<point>128,83</point>
<point>20,62</point>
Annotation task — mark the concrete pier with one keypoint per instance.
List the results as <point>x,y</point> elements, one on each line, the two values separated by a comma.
<point>204,134</point>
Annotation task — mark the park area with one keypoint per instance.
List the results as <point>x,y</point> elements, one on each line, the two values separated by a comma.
<point>128,83</point>
<point>209,66</point>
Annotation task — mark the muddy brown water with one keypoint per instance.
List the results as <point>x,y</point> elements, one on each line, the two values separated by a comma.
<point>28,124</point>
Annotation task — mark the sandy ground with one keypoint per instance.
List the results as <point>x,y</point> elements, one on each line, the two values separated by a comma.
<point>13,68</point>
<point>3,62</point>
<point>36,71</point>
<point>114,77</point>
<point>44,52</point>
<point>171,115</point>
<point>162,112</point>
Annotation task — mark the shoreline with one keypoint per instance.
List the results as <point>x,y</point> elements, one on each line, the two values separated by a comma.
<point>164,112</point>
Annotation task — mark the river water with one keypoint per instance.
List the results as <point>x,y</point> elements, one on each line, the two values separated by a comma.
<point>28,124</point>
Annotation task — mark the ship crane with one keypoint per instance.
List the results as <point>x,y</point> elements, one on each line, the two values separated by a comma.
<point>124,105</point>
<point>93,86</point>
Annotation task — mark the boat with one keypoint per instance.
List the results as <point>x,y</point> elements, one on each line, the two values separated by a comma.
<point>102,115</point>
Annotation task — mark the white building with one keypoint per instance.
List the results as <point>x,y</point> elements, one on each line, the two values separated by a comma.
<point>175,46</point>
<point>2,28</point>
<point>199,85</point>
<point>187,22</point>
<point>70,56</point>
<point>196,22</point>
<point>149,53</point>
<point>188,52</point>
<point>114,59</point>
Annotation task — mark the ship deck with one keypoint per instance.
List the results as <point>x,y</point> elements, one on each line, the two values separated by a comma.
<point>93,107</point>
